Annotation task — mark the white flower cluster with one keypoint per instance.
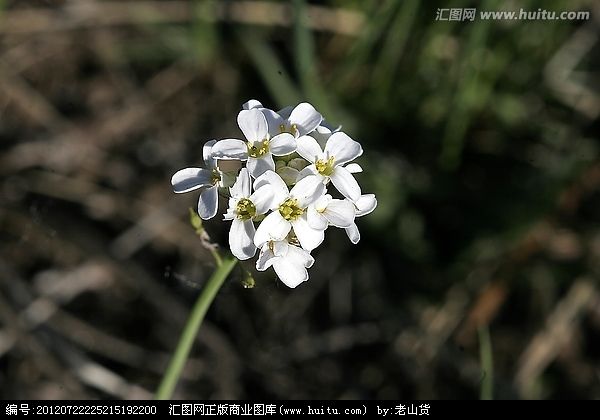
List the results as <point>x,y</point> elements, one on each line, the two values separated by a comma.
<point>291,159</point>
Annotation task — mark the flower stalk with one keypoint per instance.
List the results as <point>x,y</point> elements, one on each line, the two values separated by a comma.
<point>182,351</point>
<point>277,207</point>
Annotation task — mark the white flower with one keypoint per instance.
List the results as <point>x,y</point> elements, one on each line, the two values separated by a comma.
<point>190,179</point>
<point>299,121</point>
<point>260,147</point>
<point>364,205</point>
<point>286,211</point>
<point>252,103</point>
<point>326,211</point>
<point>289,261</point>
<point>244,206</point>
<point>289,211</point>
<point>323,132</point>
<point>328,164</point>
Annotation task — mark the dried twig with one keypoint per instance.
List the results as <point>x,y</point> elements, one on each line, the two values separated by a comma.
<point>81,15</point>
<point>547,344</point>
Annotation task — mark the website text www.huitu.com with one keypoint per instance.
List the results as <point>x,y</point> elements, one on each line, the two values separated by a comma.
<point>470,14</point>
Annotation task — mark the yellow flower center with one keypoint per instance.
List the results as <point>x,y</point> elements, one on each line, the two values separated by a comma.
<point>258,149</point>
<point>245,209</point>
<point>292,129</point>
<point>325,167</point>
<point>290,210</point>
<point>215,177</point>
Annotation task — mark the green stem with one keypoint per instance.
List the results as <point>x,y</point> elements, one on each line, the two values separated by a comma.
<point>217,257</point>
<point>173,372</point>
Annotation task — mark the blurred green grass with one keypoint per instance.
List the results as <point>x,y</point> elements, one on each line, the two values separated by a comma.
<point>469,149</point>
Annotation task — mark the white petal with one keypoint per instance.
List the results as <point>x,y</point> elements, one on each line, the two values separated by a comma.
<point>308,171</point>
<point>300,256</point>
<point>265,258</point>
<point>209,161</point>
<point>309,149</point>
<point>252,103</point>
<point>342,148</point>
<point>190,179</point>
<point>322,202</point>
<point>241,239</point>
<point>241,188</point>
<point>273,228</point>
<point>345,183</point>
<point>282,144</point>
<point>315,219</point>
<point>253,124</point>
<point>365,204</point>
<point>280,190</point>
<point>290,273</point>
<point>353,233</point>
<point>262,199</point>
<point>306,118</point>
<point>280,248</point>
<point>289,175</point>
<point>208,203</point>
<point>340,213</point>
<point>230,213</point>
<point>321,134</point>
<point>274,121</point>
<point>354,168</point>
<point>307,190</point>
<point>309,238</point>
<point>258,166</point>
<point>230,149</point>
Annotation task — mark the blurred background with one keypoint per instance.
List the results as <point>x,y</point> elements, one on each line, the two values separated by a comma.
<point>476,276</point>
